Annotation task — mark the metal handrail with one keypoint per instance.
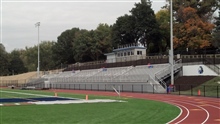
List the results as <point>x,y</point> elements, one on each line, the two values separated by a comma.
<point>211,64</point>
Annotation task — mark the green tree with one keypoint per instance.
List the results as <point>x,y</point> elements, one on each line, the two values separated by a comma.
<point>82,46</point>
<point>46,55</point>
<point>123,31</point>
<point>102,42</point>
<point>146,26</point>
<point>63,48</point>
<point>30,58</point>
<point>163,19</point>
<point>141,26</point>
<point>91,45</point>
<point>16,63</point>
<point>4,61</point>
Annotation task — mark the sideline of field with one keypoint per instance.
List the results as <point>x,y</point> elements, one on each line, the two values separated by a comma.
<point>21,99</point>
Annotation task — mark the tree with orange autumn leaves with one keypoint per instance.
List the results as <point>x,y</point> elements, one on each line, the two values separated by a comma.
<point>193,23</point>
<point>193,32</point>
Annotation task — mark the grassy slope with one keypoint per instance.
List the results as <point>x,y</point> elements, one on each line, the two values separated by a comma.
<point>133,111</point>
<point>209,88</point>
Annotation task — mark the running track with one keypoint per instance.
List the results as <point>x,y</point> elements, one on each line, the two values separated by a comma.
<point>194,110</point>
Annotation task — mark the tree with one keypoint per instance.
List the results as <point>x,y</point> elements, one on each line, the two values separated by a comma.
<point>192,23</point>
<point>63,48</point>
<point>216,33</point>
<point>46,55</point>
<point>193,32</point>
<point>16,63</point>
<point>141,26</point>
<point>163,19</point>
<point>146,26</point>
<point>4,61</point>
<point>30,58</point>
<point>102,42</point>
<point>123,31</point>
<point>82,46</point>
<point>205,8</point>
<point>91,45</point>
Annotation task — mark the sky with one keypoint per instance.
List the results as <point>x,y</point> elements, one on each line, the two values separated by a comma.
<point>18,18</point>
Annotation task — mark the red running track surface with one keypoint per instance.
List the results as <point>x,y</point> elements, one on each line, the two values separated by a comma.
<point>194,110</point>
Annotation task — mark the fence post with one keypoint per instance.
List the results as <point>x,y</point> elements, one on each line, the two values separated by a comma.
<point>191,90</point>
<point>122,88</point>
<point>204,90</point>
<point>132,88</point>
<point>98,86</point>
<point>141,88</point>
<point>153,88</point>
<point>179,89</point>
<point>217,92</point>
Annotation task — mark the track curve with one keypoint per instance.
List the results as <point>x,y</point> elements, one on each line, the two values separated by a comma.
<point>194,110</point>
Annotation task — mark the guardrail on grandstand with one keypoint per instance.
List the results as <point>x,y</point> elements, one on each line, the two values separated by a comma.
<point>212,66</point>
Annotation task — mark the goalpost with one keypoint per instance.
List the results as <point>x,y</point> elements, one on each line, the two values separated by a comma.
<point>117,91</point>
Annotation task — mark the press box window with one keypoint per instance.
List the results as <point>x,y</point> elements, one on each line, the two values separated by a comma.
<point>124,53</point>
<point>118,54</point>
<point>139,52</point>
<point>128,53</point>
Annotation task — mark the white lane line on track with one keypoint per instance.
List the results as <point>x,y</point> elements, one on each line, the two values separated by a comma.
<point>211,106</point>
<point>181,111</point>
<point>205,104</point>
<point>198,107</point>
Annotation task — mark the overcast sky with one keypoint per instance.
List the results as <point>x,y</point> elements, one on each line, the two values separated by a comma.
<point>18,18</point>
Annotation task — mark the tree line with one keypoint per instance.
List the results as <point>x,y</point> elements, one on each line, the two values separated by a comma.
<point>195,27</point>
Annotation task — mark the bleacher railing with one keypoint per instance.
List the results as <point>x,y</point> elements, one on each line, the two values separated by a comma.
<point>212,66</point>
<point>162,74</point>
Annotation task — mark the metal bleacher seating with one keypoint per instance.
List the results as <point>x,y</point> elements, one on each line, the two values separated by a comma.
<point>143,74</point>
<point>121,74</point>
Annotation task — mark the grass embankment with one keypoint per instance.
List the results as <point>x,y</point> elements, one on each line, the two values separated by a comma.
<point>210,88</point>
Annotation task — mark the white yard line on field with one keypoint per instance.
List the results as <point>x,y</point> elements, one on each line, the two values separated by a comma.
<point>30,94</point>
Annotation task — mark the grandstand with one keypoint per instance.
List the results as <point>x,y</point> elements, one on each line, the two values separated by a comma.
<point>133,74</point>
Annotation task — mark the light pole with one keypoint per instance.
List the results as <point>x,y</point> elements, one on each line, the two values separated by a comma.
<point>171,41</point>
<point>38,65</point>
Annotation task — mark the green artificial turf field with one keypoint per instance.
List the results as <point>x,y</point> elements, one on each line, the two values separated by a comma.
<point>133,111</point>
